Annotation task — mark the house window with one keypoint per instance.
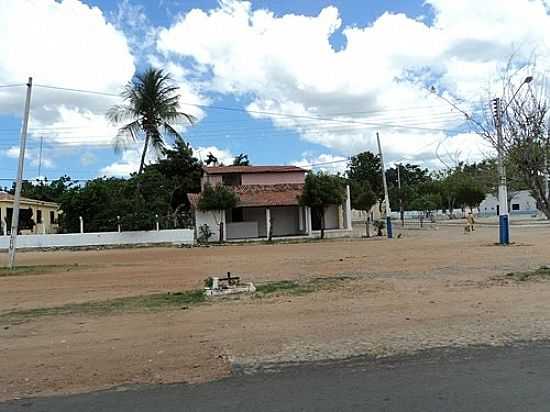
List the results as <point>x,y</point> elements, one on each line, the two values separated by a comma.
<point>515,206</point>
<point>38,216</point>
<point>233,179</point>
<point>52,218</point>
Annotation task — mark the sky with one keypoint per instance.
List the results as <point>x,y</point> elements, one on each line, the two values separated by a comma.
<point>306,82</point>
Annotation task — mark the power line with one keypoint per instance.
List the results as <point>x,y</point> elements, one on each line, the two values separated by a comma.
<point>5,86</point>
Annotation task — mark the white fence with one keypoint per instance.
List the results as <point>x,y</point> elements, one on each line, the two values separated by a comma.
<point>176,236</point>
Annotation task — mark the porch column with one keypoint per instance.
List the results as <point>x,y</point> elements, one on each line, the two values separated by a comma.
<point>301,219</point>
<point>267,221</point>
<point>3,217</point>
<point>308,220</point>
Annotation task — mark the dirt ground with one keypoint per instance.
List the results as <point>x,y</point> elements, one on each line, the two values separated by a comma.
<point>430,288</point>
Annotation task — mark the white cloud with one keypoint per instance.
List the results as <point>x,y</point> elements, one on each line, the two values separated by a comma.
<point>67,44</point>
<point>32,157</point>
<point>325,162</point>
<point>129,163</point>
<point>223,155</point>
<point>286,64</point>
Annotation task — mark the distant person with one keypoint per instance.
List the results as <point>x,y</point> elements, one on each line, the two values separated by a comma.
<point>470,222</point>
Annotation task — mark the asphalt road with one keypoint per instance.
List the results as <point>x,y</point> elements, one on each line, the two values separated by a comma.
<point>514,378</point>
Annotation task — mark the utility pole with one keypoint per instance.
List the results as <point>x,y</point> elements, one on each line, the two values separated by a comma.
<point>40,157</point>
<point>387,211</point>
<point>19,181</point>
<point>504,224</point>
<point>401,209</point>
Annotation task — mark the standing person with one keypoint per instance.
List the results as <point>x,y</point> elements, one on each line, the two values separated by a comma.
<point>470,222</point>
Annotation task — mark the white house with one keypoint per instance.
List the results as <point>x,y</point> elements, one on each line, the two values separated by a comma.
<point>268,200</point>
<point>521,203</point>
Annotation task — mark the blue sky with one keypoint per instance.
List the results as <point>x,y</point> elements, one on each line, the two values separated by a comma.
<point>366,64</point>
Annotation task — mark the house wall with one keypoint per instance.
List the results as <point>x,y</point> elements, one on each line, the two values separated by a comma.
<point>526,202</point>
<point>212,179</point>
<point>46,227</point>
<point>209,218</point>
<point>285,220</point>
<point>242,230</point>
<point>331,217</point>
<point>272,178</point>
<point>257,214</point>
<point>177,236</point>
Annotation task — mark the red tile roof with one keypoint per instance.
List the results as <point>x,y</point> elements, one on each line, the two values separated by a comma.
<point>262,195</point>
<point>217,170</point>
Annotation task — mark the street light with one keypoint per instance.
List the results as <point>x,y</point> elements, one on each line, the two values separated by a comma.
<point>503,221</point>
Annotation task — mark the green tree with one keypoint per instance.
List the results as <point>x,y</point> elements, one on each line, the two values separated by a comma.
<point>362,198</point>
<point>320,191</point>
<point>151,107</point>
<point>366,167</point>
<point>217,199</point>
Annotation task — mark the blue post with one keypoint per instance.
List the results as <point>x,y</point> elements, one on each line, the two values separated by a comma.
<point>504,230</point>
<point>389,227</point>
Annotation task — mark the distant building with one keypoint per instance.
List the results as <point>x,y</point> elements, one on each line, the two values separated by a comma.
<point>521,203</point>
<point>268,198</point>
<point>35,216</point>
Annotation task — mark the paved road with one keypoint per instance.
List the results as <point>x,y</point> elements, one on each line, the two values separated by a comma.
<point>481,379</point>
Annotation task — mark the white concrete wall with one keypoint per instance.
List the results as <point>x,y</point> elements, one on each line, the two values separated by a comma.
<point>209,218</point>
<point>331,217</point>
<point>242,230</point>
<point>178,236</point>
<point>256,214</point>
<point>526,202</point>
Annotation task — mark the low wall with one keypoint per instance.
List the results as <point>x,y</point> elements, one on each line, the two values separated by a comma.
<point>177,236</point>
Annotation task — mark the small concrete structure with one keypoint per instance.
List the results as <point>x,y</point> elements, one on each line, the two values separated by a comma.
<point>268,204</point>
<point>521,203</point>
<point>228,286</point>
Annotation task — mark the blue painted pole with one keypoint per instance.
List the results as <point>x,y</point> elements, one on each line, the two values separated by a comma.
<point>504,230</point>
<point>389,227</point>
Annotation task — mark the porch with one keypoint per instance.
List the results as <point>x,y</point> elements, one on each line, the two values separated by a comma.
<point>257,222</point>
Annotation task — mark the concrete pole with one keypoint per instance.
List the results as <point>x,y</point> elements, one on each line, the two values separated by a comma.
<point>118,224</point>
<point>503,220</point>
<point>157,222</point>
<point>81,224</point>
<point>546,176</point>
<point>268,222</point>
<point>401,208</point>
<point>19,181</point>
<point>349,223</point>
<point>387,210</point>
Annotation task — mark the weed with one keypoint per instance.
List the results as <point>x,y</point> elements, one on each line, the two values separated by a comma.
<point>542,272</point>
<point>153,302</point>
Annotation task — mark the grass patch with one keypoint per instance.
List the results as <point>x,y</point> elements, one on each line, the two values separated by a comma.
<point>166,301</point>
<point>542,273</point>
<point>294,287</point>
<point>38,269</point>
<point>142,303</point>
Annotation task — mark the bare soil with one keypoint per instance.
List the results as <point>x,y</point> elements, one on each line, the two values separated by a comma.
<point>430,288</point>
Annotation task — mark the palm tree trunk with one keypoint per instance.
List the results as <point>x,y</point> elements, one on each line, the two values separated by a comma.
<point>145,145</point>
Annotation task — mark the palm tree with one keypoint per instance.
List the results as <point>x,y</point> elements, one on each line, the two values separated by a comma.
<point>151,105</point>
